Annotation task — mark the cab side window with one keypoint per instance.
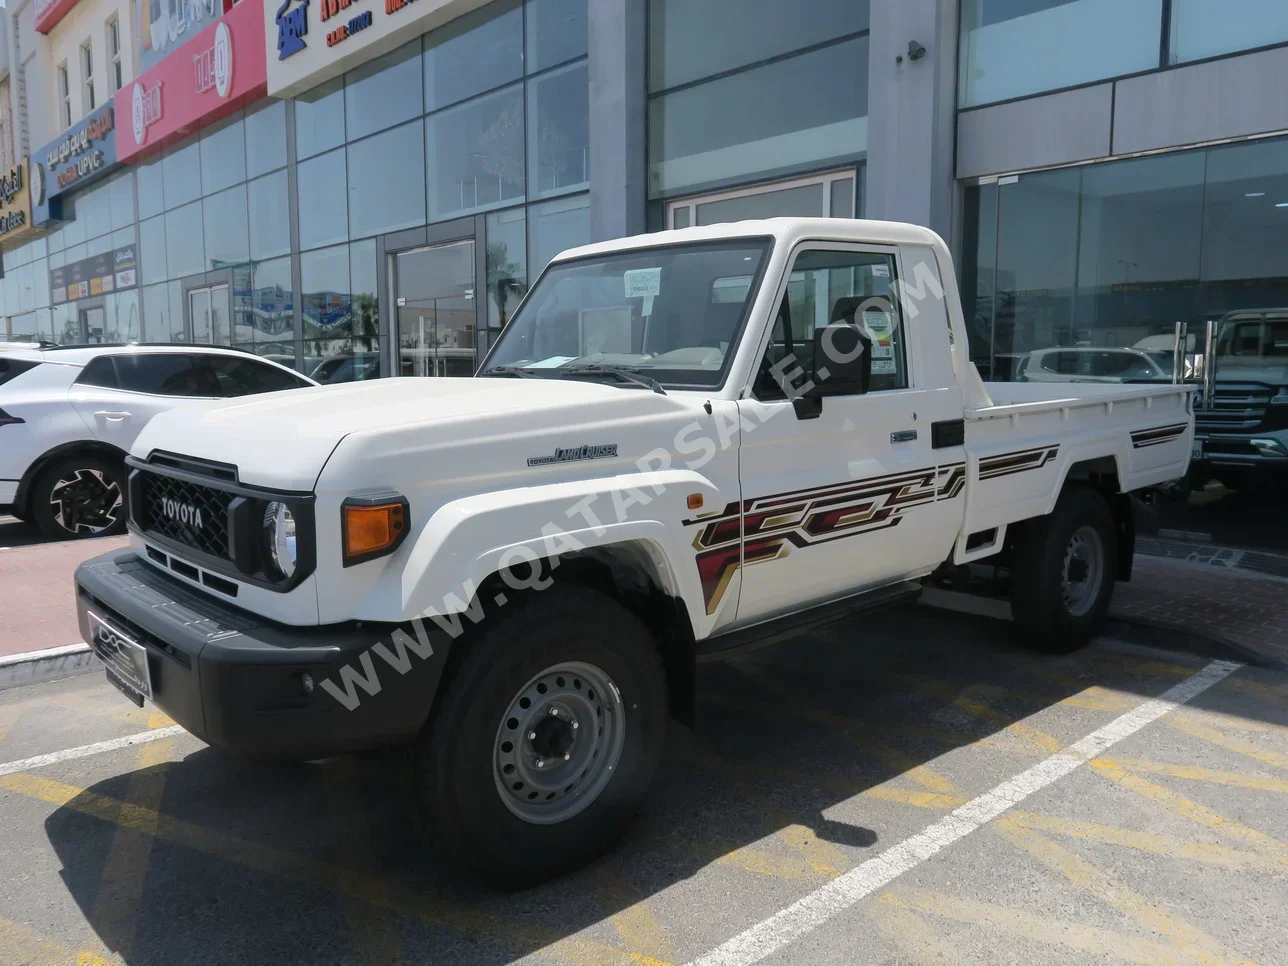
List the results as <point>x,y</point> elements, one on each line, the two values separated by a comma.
<point>165,374</point>
<point>244,377</point>
<point>826,287</point>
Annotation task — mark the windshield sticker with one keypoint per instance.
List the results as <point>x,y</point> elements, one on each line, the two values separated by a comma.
<point>642,282</point>
<point>575,453</point>
<point>880,271</point>
<point>554,362</point>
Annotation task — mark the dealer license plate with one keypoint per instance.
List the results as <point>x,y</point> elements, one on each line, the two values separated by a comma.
<point>125,660</point>
<point>1197,453</point>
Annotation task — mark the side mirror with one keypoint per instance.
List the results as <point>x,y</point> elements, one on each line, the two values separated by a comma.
<point>842,361</point>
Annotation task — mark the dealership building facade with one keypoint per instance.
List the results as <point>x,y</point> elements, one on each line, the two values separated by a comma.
<point>368,187</point>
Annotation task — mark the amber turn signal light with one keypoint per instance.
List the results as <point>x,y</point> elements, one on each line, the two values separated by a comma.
<point>372,529</point>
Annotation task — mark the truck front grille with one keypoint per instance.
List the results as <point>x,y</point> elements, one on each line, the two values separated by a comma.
<point>188,513</point>
<point>1235,407</point>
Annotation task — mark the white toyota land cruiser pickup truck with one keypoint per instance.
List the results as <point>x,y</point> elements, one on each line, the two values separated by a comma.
<point>682,442</point>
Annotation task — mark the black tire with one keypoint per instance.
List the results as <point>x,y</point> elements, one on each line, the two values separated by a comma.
<point>1043,611</point>
<point>458,775</point>
<point>79,496</point>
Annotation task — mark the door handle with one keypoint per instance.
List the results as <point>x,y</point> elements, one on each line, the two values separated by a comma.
<point>903,436</point>
<point>113,417</point>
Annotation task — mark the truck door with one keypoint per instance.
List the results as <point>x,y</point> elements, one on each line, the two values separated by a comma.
<point>850,492</point>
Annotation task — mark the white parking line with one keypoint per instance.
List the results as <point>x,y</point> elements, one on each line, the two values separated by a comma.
<point>807,914</point>
<point>85,751</point>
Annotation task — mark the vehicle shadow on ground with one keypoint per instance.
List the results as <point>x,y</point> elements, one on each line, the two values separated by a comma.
<point>238,862</point>
<point>15,533</point>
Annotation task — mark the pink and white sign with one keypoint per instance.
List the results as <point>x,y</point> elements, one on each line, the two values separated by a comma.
<point>219,71</point>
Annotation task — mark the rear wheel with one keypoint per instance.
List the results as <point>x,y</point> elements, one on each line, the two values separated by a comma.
<point>79,496</point>
<point>545,739</point>
<point>1062,572</point>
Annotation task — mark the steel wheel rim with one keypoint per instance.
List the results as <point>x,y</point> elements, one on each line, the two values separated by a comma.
<point>86,502</point>
<point>559,743</point>
<point>1084,565</point>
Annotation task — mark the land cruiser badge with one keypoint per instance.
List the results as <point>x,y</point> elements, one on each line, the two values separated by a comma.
<point>574,453</point>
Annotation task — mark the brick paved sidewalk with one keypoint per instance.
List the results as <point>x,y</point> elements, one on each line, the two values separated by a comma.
<point>1245,611</point>
<point>36,606</point>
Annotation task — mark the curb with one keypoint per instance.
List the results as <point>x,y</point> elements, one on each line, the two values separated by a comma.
<point>46,665</point>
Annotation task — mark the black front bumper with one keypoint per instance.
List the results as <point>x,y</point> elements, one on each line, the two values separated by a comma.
<point>238,681</point>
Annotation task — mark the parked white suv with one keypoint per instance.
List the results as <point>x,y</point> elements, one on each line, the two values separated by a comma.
<point>69,415</point>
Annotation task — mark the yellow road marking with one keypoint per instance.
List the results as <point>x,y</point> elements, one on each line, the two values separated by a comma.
<point>1197,774</point>
<point>1230,742</point>
<point>641,931</point>
<point>1185,939</point>
<point>1222,719</point>
<point>981,711</point>
<point>747,858</point>
<point>1144,842</point>
<point>916,939</point>
<point>1192,810</point>
<point>120,891</point>
<point>1275,693</point>
<point>853,731</point>
<point>372,928</point>
<point>457,916</point>
<point>1019,924</point>
<point>1084,698</point>
<point>23,945</point>
<point>9,716</point>
<point>1092,696</point>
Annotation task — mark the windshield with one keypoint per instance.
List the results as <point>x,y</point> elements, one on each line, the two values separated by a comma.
<point>672,314</point>
<point>1254,342</point>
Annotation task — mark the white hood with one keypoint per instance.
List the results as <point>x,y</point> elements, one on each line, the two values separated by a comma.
<point>282,440</point>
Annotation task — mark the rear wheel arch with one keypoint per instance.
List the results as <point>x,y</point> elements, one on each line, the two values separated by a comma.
<point>1103,476</point>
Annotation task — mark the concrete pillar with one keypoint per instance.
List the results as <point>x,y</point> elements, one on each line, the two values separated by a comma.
<point>912,113</point>
<point>618,117</point>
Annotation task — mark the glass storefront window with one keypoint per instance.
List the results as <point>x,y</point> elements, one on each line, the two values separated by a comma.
<point>324,210</point>
<point>690,40</point>
<point>270,230</point>
<point>383,92</point>
<point>182,169</point>
<point>796,113</point>
<point>266,138</point>
<point>556,32</point>
<point>556,226</point>
<point>328,305</point>
<point>224,217</point>
<point>474,155</point>
<point>319,119</point>
<point>151,191</point>
<point>559,131</point>
<point>152,260</point>
<point>1201,28</point>
<point>386,190</point>
<point>163,314</point>
<point>223,157</point>
<point>185,248</point>
<point>507,264</point>
<point>474,54</point>
<point>366,306</point>
<point>264,308</point>
<point>1027,46</point>
<point>341,325</point>
<point>94,209</point>
<point>121,192</point>
<point>122,321</point>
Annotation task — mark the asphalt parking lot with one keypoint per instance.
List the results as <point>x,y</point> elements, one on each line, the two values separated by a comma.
<point>811,758</point>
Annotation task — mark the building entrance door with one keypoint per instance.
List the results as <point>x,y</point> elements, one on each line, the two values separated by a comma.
<point>436,310</point>
<point>208,314</point>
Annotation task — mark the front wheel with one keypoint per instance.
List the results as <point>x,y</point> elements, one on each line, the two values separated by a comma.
<point>79,496</point>
<point>1063,572</point>
<point>545,739</point>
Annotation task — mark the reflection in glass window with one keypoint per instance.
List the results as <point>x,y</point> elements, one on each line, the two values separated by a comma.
<point>151,191</point>
<point>794,113</point>
<point>328,305</point>
<point>264,308</point>
<point>690,40</point>
<point>162,319</point>
<point>383,92</point>
<point>366,307</point>
<point>1017,48</point>
<point>802,200</point>
<point>94,208</point>
<point>473,54</point>
<point>319,119</point>
<point>121,190</point>
<point>556,32</point>
<point>182,168</point>
<point>474,155</point>
<point>123,319</point>
<point>223,157</point>
<point>559,131</point>
<point>507,264</point>
<point>40,282</point>
<point>152,258</point>
<point>265,138</point>
<point>386,191</point>
<point>324,211</point>
<point>1201,28</point>
<point>225,224</point>
<point>185,248</point>
<point>270,230</point>
<point>556,226</point>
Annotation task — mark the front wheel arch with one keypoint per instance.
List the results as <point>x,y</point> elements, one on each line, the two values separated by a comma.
<point>85,447</point>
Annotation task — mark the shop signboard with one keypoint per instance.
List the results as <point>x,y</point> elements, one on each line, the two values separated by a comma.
<point>111,271</point>
<point>310,41</point>
<point>166,25</point>
<point>218,71</point>
<point>80,156</point>
<point>50,12</point>
<point>15,206</point>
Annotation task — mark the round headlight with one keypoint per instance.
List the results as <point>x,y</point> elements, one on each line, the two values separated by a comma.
<point>279,528</point>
